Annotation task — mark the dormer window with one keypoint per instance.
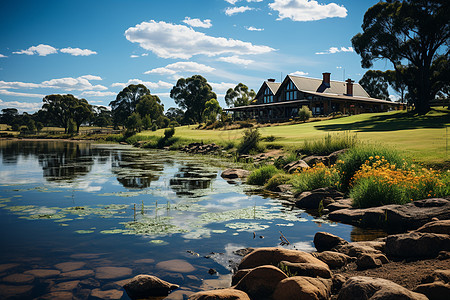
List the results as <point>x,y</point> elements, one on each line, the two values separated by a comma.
<point>291,92</point>
<point>268,96</point>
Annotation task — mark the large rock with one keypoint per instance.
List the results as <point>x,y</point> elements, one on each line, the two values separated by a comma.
<point>221,294</point>
<point>298,287</point>
<point>273,256</point>
<point>306,269</point>
<point>361,287</point>
<point>370,261</point>
<point>296,165</point>
<point>235,173</point>
<point>261,281</point>
<point>395,217</point>
<point>333,259</point>
<point>340,204</point>
<point>434,291</point>
<point>356,249</point>
<point>324,241</point>
<point>440,226</point>
<point>312,199</point>
<point>416,244</point>
<point>144,286</point>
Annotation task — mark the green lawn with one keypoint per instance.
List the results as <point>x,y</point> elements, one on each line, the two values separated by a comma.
<point>423,138</point>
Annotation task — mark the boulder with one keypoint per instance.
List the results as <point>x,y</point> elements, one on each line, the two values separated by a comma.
<point>338,281</point>
<point>261,281</point>
<point>356,249</point>
<point>361,287</point>
<point>299,287</point>
<point>370,261</point>
<point>440,226</point>
<point>333,259</point>
<point>324,241</point>
<point>306,269</point>
<point>434,291</point>
<point>315,159</point>
<point>417,245</point>
<point>296,165</point>
<point>144,286</point>
<point>221,294</point>
<point>273,256</point>
<point>235,173</point>
<point>312,199</point>
<point>340,204</point>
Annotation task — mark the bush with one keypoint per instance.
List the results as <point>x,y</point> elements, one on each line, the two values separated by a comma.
<point>379,182</point>
<point>304,113</point>
<point>262,175</point>
<point>277,180</point>
<point>281,161</point>
<point>250,141</point>
<point>169,132</point>
<point>351,161</point>
<point>316,177</point>
<point>329,144</point>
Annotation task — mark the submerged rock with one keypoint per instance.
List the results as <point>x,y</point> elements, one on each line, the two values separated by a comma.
<point>70,266</point>
<point>78,274</point>
<point>19,278</point>
<point>15,291</point>
<point>43,273</point>
<point>221,294</point>
<point>107,294</point>
<point>112,272</point>
<point>58,295</point>
<point>176,265</point>
<point>235,173</point>
<point>144,286</point>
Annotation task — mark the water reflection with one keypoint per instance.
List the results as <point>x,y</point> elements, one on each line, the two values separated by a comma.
<point>190,179</point>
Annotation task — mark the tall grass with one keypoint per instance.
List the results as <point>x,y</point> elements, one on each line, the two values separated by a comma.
<point>250,141</point>
<point>276,180</point>
<point>316,177</point>
<point>261,175</point>
<point>329,144</point>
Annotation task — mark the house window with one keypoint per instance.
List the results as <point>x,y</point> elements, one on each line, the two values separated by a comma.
<point>291,92</point>
<point>268,96</point>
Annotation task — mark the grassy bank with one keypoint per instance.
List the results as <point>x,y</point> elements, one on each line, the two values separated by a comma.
<point>422,138</point>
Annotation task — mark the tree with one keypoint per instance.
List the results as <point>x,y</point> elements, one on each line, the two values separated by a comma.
<point>134,122</point>
<point>175,114</point>
<point>65,109</point>
<point>410,33</point>
<point>191,94</point>
<point>102,116</point>
<point>150,105</point>
<point>126,101</point>
<point>304,113</point>
<point>212,109</point>
<point>375,83</point>
<point>8,115</point>
<point>239,96</point>
<point>397,83</point>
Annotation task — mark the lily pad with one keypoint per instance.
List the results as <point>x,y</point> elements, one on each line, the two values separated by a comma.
<point>84,231</point>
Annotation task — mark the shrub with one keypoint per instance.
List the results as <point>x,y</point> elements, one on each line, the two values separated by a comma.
<point>250,141</point>
<point>304,113</point>
<point>169,132</point>
<point>316,177</point>
<point>281,161</point>
<point>351,161</point>
<point>261,175</point>
<point>379,182</point>
<point>277,180</point>
<point>329,144</point>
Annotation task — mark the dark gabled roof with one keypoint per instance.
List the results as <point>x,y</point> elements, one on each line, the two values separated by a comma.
<point>273,86</point>
<point>357,98</point>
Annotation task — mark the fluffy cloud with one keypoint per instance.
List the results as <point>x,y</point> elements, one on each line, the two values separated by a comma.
<point>97,94</point>
<point>134,56</point>
<point>18,85</point>
<point>222,87</point>
<point>236,60</point>
<point>307,10</point>
<point>236,10</point>
<point>21,106</point>
<point>182,66</point>
<point>233,2</point>
<point>148,84</point>
<point>91,77</point>
<point>333,50</point>
<point>68,84</point>
<point>41,50</point>
<point>1,55</point>
<point>178,41</point>
<point>251,28</point>
<point>197,22</point>
<point>77,51</point>
<point>9,93</point>
<point>299,73</point>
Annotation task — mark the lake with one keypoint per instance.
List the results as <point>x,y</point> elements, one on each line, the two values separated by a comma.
<point>77,218</point>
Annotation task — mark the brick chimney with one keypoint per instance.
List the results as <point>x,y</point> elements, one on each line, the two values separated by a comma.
<point>271,80</point>
<point>349,84</point>
<point>326,78</point>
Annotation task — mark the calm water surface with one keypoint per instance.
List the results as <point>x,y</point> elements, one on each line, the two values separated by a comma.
<point>153,212</point>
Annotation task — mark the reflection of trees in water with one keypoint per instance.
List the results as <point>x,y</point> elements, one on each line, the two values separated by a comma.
<point>188,179</point>
<point>365,234</point>
<point>135,169</point>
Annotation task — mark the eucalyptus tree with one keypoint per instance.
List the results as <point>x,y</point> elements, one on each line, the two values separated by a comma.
<point>126,101</point>
<point>239,96</point>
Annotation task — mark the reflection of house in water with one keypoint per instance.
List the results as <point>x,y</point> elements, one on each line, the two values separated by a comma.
<point>190,180</point>
<point>281,101</point>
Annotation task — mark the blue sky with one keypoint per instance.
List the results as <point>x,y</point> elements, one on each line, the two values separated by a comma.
<point>92,49</point>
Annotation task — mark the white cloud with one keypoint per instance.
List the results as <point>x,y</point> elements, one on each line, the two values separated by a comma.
<point>97,94</point>
<point>134,56</point>
<point>333,50</point>
<point>148,84</point>
<point>232,2</point>
<point>178,41</point>
<point>197,22</point>
<point>251,28</point>
<point>182,66</point>
<point>1,55</point>
<point>33,106</point>
<point>307,10</point>
<point>394,98</point>
<point>70,84</point>
<point>236,60</point>
<point>18,85</point>
<point>236,10</point>
<point>77,51</point>
<point>41,50</point>
<point>221,87</point>
<point>299,73</point>
<point>9,93</point>
<point>144,54</point>
<point>91,77</point>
